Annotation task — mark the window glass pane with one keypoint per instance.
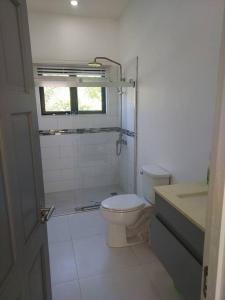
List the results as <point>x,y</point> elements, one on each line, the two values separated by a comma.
<point>89,98</point>
<point>89,75</point>
<point>55,74</point>
<point>57,99</point>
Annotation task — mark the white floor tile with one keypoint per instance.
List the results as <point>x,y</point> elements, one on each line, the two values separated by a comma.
<point>144,253</point>
<point>62,262</point>
<point>94,257</point>
<point>62,207</point>
<point>84,267</point>
<point>58,230</point>
<point>86,224</point>
<point>129,284</point>
<point>66,201</point>
<point>66,291</point>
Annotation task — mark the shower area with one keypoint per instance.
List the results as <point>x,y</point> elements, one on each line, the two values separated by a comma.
<point>87,126</point>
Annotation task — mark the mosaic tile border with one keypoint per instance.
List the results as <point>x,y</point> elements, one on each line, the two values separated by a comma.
<point>85,130</point>
<point>78,131</point>
<point>128,132</point>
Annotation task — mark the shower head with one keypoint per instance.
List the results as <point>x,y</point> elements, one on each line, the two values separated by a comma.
<point>95,64</point>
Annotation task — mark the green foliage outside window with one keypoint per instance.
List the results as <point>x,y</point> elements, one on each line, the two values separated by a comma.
<point>57,99</point>
<point>89,99</point>
<point>85,99</point>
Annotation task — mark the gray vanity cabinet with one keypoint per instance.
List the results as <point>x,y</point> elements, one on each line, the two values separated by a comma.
<point>179,245</point>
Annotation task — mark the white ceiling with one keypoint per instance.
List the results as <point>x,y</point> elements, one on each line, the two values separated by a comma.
<point>87,8</point>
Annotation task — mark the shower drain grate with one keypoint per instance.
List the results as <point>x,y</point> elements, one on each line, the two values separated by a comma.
<point>88,207</point>
<point>95,205</point>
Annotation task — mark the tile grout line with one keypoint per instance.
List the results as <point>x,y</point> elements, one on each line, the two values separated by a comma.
<point>78,277</point>
<point>62,282</point>
<point>74,255</point>
<point>75,258</point>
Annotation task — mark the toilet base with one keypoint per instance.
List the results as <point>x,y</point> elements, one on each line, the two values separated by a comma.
<point>117,237</point>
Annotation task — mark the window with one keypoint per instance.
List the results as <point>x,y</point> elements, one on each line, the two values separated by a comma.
<point>79,100</point>
<point>64,99</point>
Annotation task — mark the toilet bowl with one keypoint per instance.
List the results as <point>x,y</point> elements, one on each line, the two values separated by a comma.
<point>129,215</point>
<point>121,212</point>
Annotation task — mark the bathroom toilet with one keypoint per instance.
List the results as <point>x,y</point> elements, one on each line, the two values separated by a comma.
<point>129,215</point>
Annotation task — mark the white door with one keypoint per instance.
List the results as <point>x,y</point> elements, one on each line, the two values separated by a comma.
<point>24,262</point>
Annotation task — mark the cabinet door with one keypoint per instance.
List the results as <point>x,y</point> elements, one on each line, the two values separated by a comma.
<point>180,264</point>
<point>190,235</point>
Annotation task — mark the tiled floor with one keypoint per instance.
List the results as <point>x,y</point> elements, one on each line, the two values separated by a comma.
<point>65,202</point>
<point>83,267</point>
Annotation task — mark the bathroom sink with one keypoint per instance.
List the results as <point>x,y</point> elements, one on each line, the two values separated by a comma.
<point>189,199</point>
<point>201,196</point>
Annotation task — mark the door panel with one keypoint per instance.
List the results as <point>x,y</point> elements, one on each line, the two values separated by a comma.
<point>24,259</point>
<point>11,39</point>
<point>36,276</point>
<point>6,249</point>
<point>23,152</point>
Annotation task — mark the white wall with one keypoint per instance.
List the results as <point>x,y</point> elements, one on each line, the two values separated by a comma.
<point>66,38</point>
<point>178,47</point>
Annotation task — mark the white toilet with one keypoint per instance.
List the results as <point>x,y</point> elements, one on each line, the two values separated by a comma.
<point>129,215</point>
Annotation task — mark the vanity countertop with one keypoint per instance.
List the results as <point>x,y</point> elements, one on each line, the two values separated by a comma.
<point>189,199</point>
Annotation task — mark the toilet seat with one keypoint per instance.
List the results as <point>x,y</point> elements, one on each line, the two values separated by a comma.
<point>123,203</point>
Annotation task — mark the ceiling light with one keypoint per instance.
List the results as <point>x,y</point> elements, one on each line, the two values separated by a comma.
<point>74,2</point>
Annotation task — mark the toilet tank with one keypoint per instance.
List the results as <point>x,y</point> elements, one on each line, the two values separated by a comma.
<point>153,175</point>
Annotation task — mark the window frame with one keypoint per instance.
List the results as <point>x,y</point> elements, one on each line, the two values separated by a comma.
<point>73,103</point>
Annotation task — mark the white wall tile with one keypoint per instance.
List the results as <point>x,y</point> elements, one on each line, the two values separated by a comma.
<point>51,164</point>
<point>95,138</point>
<point>79,161</point>
<point>126,166</point>
<point>66,122</point>
<point>66,163</point>
<point>58,186</point>
<point>50,152</point>
<point>78,182</point>
<point>50,140</point>
<point>76,139</point>
<point>46,123</point>
<point>67,174</point>
<point>66,140</point>
<point>51,176</point>
<point>66,151</point>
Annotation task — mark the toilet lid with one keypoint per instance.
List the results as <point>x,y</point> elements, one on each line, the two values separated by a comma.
<point>128,202</point>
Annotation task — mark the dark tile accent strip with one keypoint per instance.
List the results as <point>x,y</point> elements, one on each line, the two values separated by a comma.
<point>78,131</point>
<point>86,130</point>
<point>128,132</point>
